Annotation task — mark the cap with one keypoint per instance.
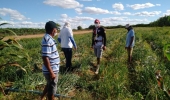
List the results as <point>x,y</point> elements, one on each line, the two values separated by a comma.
<point>96,21</point>
<point>127,26</point>
<point>50,25</point>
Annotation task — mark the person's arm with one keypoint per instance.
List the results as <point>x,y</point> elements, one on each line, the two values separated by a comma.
<point>93,35</point>
<point>73,42</point>
<point>59,37</point>
<point>104,39</point>
<point>132,38</point>
<point>59,40</point>
<point>47,65</point>
<point>70,34</point>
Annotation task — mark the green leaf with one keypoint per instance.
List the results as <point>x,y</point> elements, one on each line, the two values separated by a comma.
<point>19,56</point>
<point>11,31</point>
<point>166,50</point>
<point>3,24</point>
<point>3,45</point>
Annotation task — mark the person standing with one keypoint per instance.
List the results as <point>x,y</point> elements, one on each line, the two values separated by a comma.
<point>51,60</point>
<point>130,41</point>
<point>66,39</point>
<point>98,42</point>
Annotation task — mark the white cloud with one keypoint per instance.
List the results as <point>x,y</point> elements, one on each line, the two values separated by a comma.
<point>145,13</point>
<point>24,24</point>
<point>127,13</point>
<point>167,13</point>
<point>85,0</point>
<point>158,4</point>
<point>78,10</point>
<point>118,6</point>
<point>94,10</point>
<point>136,21</point>
<point>63,3</point>
<point>64,15</point>
<point>115,13</point>
<point>83,18</point>
<point>141,6</point>
<point>114,21</point>
<point>76,21</point>
<point>14,14</point>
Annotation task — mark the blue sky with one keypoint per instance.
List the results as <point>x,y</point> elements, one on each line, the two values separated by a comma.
<point>35,13</point>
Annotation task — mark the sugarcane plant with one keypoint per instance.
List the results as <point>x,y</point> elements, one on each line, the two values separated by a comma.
<point>11,52</point>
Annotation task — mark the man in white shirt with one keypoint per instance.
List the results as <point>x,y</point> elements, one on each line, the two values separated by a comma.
<point>66,39</point>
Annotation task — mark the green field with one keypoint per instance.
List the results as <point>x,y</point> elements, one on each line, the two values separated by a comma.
<point>116,80</point>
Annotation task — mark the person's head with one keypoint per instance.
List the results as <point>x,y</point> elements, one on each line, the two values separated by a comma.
<point>127,26</point>
<point>97,23</point>
<point>67,24</point>
<point>51,28</point>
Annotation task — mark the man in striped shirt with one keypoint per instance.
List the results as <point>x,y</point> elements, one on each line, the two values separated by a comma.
<point>51,60</point>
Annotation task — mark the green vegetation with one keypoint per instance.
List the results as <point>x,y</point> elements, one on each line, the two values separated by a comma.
<point>116,79</point>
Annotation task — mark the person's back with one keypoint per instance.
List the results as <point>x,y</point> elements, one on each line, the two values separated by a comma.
<point>67,42</point>
<point>65,35</point>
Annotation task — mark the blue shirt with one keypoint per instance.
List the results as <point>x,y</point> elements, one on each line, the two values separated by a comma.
<point>49,50</point>
<point>129,36</point>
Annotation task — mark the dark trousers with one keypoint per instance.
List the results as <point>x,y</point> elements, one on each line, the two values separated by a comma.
<point>68,56</point>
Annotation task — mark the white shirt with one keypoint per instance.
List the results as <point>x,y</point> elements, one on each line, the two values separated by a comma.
<point>64,35</point>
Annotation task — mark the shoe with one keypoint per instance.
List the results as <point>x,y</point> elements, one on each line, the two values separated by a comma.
<point>97,70</point>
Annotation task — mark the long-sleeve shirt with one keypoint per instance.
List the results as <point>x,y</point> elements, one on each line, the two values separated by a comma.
<point>65,37</point>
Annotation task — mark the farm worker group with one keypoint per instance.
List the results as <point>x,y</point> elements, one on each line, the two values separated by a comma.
<point>50,55</point>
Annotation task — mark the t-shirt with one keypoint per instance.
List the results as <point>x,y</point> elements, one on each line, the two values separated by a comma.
<point>130,34</point>
<point>49,49</point>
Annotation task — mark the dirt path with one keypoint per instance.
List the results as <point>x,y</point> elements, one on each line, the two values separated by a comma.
<point>41,35</point>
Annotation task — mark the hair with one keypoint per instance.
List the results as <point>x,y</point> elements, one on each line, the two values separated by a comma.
<point>49,31</point>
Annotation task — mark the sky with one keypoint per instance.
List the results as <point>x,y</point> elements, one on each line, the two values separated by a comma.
<point>35,13</point>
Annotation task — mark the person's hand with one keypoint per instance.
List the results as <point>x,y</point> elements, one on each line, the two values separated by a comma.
<point>92,47</point>
<point>52,75</point>
<point>75,48</point>
<point>104,47</point>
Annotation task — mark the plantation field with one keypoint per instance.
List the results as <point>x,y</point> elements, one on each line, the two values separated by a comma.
<point>41,35</point>
<point>117,80</point>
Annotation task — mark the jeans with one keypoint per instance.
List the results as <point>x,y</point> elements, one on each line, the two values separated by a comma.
<point>68,56</point>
